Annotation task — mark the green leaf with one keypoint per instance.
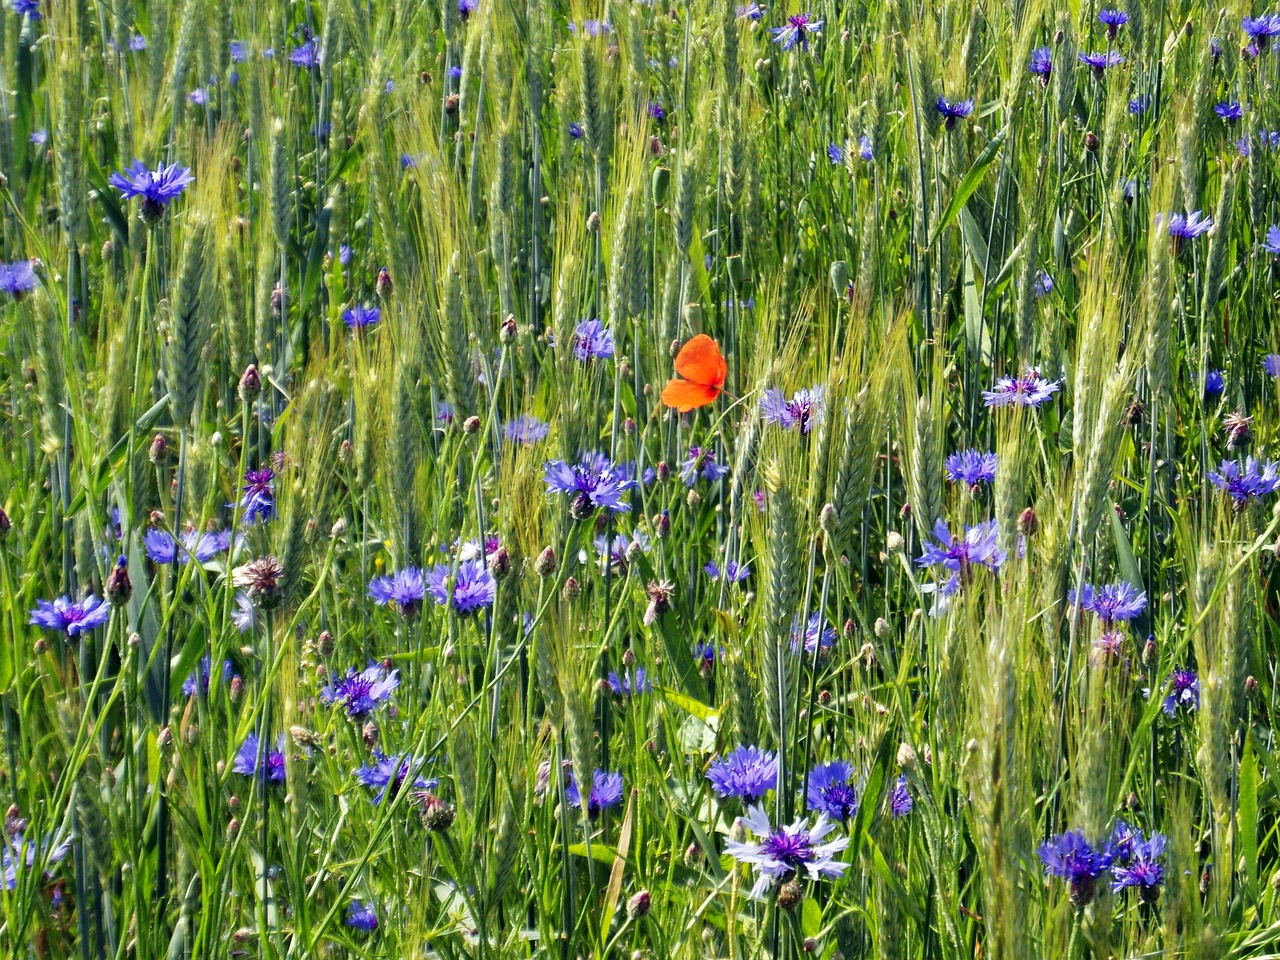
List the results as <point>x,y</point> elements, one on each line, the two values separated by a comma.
<point>1247,812</point>
<point>690,705</point>
<point>967,186</point>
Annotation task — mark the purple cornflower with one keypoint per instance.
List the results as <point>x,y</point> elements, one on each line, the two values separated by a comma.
<point>1214,384</point>
<point>359,693</point>
<point>388,774</point>
<point>1272,243</point>
<point>831,792</point>
<point>750,11</point>
<point>1099,62</point>
<point>1230,111</point>
<point>17,279</point>
<point>593,341</point>
<point>344,254</point>
<point>359,316</point>
<point>307,55</point>
<point>817,634</point>
<point>802,411</point>
<point>606,792</point>
<point>28,7</point>
<point>1140,104</point>
<point>361,916</point>
<point>1256,479</point>
<point>1271,364</point>
<point>1042,285</point>
<point>1041,63</point>
<point>1028,390</point>
<point>465,9</point>
<point>203,547</point>
<point>592,28</point>
<point>157,188</point>
<point>246,761</point>
<point>978,546</point>
<point>900,802</point>
<point>17,853</point>
<point>1111,604</point>
<point>70,618</point>
<point>629,685</point>
<point>746,772</point>
<point>472,588</point>
<point>1070,857</point>
<point>1140,866</point>
<point>799,28</point>
<point>525,430</point>
<point>576,131</point>
<point>701,463</point>
<point>405,588</point>
<point>733,573</point>
<point>593,482</point>
<point>972,467</point>
<point>1113,20</point>
<point>445,412</point>
<point>782,854</point>
<point>953,112</point>
<point>1184,691</point>
<point>259,500</point>
<point>200,679</point>
<point>658,114</point>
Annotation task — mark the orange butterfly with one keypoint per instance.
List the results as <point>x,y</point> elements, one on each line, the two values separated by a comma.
<point>702,365</point>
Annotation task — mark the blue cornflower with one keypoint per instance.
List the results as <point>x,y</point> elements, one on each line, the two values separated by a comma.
<point>199,96</point>
<point>472,588</point>
<point>307,55</point>
<point>246,761</point>
<point>1186,227</point>
<point>706,655</point>
<point>39,137</point>
<point>865,150</point>
<point>18,853</point>
<point>1214,384</point>
<point>359,693</point>
<point>1230,111</point>
<point>359,316</point>
<point>802,411</point>
<point>622,549</point>
<point>344,254</point>
<point>900,802</point>
<point>1113,20</point>
<point>1271,365</point>
<point>591,28</point>
<point>831,791</point>
<point>157,188</point>
<point>971,466</point>
<point>701,463</point>
<point>978,546</point>
<point>606,792</point>
<point>1099,62</point>
<point>593,482</point>
<point>750,11</point>
<point>525,430</point>
<point>593,341</point>
<point>465,9</point>
<point>17,279</point>
<point>1028,390</point>
<point>259,500</point>
<point>817,634</point>
<point>1261,28</point>
<point>835,153</point>
<point>70,618</point>
<point>629,685</point>
<point>1272,243</point>
<point>1256,479</point>
<point>1112,603</point>
<point>137,43</point>
<point>1139,866</point>
<point>28,7</point>
<point>733,573</point>
<point>658,114</point>
<point>388,774</point>
<point>361,916</point>
<point>783,854</point>
<point>1184,691</point>
<point>200,679</point>
<point>747,773</point>
<point>1070,857</point>
<point>953,111</point>
<point>1140,104</point>
<point>203,547</point>
<point>1041,63</point>
<point>405,588</point>
<point>798,29</point>
<point>576,131</point>
<point>238,52</point>
<point>1042,285</point>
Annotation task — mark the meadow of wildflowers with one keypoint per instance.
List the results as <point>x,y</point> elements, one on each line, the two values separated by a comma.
<point>540,479</point>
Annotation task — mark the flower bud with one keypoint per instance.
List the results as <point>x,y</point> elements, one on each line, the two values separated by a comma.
<point>1028,522</point>
<point>790,894</point>
<point>471,426</point>
<point>437,816</point>
<point>507,330</point>
<point>545,565</point>
<point>882,628</point>
<point>383,285</point>
<point>893,541</point>
<point>1251,687</point>
<point>159,450</point>
<point>5,524</point>
<point>571,589</point>
<point>639,905</point>
<point>118,587</point>
<point>250,384</point>
<point>663,472</point>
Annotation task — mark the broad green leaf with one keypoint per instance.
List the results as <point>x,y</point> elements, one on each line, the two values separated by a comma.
<point>967,186</point>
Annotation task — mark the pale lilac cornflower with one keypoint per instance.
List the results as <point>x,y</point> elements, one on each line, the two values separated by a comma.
<point>1271,365</point>
<point>1111,604</point>
<point>702,463</point>
<point>782,854</point>
<point>593,483</point>
<point>952,112</point>
<point>1042,285</point>
<point>404,588</point>
<point>622,550</point>
<point>39,137</point>
<point>238,52</point>
<point>972,467</point>
<point>388,773</point>
<point>831,790</point>
<point>592,341</point>
<point>1098,62</point>
<point>203,547</point>
<point>361,692</point>
<point>1272,243</point>
<point>733,572</point>
<point>750,11</point>
<point>801,412</point>
<point>525,430</point>
<point>606,792</point>
<point>865,148</point>
<point>798,30</point>
<point>1254,480</point>
<point>18,853</point>
<point>469,591</point>
<point>1184,692</point>
<point>979,545</point>
<point>747,773</point>
<point>1028,390</point>
<point>72,619</point>
<point>1070,857</point>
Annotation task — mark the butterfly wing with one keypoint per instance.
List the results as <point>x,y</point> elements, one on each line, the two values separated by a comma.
<point>701,361</point>
<point>685,395</point>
